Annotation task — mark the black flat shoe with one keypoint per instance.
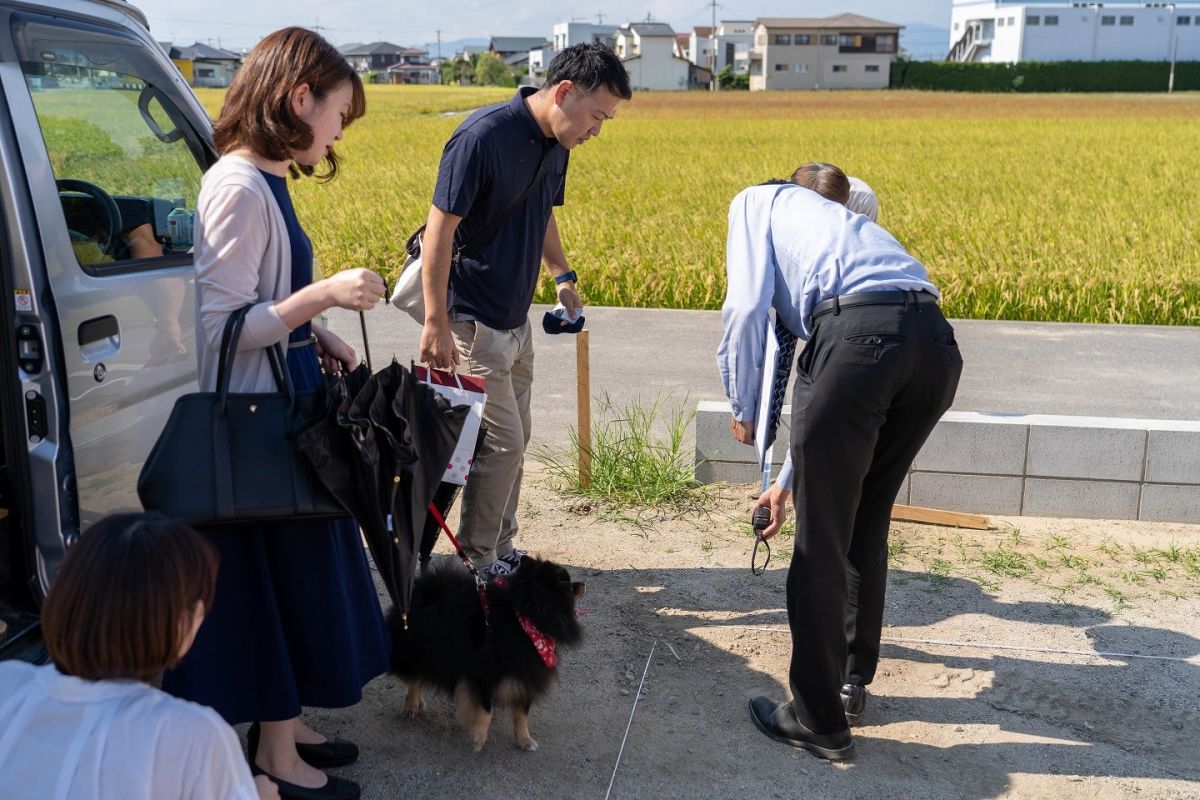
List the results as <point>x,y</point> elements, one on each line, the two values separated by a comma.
<point>778,721</point>
<point>334,789</point>
<point>335,752</point>
<point>854,701</point>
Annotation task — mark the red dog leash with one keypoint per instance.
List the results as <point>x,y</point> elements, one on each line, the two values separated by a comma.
<point>543,644</point>
<point>480,583</point>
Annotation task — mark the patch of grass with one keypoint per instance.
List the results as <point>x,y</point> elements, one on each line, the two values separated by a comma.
<point>637,458</point>
<point>707,545</point>
<point>938,573</point>
<point>1174,553</point>
<point>1006,563</point>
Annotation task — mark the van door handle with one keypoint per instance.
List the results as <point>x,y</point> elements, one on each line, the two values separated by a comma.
<point>99,338</point>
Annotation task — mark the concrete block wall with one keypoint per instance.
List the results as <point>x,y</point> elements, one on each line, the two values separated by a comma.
<point>1017,464</point>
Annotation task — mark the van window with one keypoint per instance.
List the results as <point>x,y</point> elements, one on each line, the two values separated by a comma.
<point>125,159</point>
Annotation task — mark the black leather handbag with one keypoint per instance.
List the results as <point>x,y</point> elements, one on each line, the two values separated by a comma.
<point>225,458</point>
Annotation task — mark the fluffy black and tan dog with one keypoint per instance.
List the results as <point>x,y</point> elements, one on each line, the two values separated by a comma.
<point>506,657</point>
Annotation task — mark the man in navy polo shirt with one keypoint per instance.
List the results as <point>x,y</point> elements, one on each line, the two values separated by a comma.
<point>477,305</point>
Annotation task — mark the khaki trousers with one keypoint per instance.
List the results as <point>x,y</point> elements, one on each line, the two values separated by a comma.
<point>490,498</point>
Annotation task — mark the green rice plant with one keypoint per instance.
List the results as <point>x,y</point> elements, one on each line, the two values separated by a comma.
<point>637,457</point>
<point>1021,206</point>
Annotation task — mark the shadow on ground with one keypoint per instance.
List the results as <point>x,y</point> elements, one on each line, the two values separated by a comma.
<point>943,722</point>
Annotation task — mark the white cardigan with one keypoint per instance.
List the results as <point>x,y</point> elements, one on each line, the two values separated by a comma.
<point>242,256</point>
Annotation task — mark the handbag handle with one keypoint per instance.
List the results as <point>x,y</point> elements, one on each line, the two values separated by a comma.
<point>229,349</point>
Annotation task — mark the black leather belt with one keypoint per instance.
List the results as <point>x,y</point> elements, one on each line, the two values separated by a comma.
<point>884,298</point>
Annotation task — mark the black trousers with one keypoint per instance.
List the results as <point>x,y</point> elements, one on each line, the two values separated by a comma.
<point>870,385</point>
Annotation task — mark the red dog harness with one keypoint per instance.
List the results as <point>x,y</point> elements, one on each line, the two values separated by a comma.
<point>544,644</point>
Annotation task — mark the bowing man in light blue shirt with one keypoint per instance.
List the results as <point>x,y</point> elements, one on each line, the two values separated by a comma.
<point>879,368</point>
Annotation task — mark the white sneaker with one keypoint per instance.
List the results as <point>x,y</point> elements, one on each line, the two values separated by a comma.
<point>513,559</point>
<point>497,569</point>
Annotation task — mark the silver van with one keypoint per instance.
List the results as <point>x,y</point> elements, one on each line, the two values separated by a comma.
<point>102,145</point>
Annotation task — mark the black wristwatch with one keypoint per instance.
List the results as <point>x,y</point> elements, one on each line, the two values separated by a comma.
<point>569,275</point>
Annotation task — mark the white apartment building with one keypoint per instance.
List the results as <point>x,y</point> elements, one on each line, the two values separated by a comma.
<point>569,33</point>
<point>734,44</point>
<point>1038,30</point>
<point>648,50</point>
<point>700,46</point>
<point>846,51</point>
<point>566,34</point>
<point>731,42</point>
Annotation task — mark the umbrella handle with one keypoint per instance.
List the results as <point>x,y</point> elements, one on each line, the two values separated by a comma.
<point>362,321</point>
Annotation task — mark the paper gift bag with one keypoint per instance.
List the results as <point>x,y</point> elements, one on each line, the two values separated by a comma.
<point>459,390</point>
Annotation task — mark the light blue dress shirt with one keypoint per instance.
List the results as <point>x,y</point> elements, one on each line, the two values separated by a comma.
<point>789,249</point>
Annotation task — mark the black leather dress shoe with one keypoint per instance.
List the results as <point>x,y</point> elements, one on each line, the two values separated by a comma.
<point>854,700</point>
<point>334,789</point>
<point>778,721</point>
<point>328,754</point>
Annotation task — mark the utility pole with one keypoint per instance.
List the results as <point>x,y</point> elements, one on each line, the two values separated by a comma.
<point>599,18</point>
<point>712,48</point>
<point>1174,54</point>
<point>439,45</point>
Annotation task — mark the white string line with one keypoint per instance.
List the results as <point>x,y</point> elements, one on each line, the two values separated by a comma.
<point>630,725</point>
<point>993,646</point>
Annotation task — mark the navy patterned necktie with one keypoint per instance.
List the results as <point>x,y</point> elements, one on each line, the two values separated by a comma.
<point>783,370</point>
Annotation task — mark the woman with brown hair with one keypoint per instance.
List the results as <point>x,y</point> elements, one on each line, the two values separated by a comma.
<point>296,619</point>
<point>125,605</point>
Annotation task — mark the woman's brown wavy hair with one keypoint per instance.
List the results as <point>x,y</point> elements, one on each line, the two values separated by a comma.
<point>257,113</point>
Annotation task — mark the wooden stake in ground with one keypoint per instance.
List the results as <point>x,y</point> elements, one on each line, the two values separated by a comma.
<point>583,402</point>
<point>936,516</point>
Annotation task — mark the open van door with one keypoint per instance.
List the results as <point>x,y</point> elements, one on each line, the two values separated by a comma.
<point>102,151</point>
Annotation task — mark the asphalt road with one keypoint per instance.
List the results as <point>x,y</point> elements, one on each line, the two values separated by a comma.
<point>1138,371</point>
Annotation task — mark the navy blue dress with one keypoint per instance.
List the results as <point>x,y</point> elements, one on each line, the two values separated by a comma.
<point>296,619</point>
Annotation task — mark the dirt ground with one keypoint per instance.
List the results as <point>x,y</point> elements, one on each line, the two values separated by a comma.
<point>968,702</point>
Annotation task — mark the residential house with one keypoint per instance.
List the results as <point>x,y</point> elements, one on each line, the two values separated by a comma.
<point>539,60</point>
<point>700,46</point>
<point>204,65</point>
<point>508,46</point>
<point>699,77</point>
<point>846,51</point>
<point>569,33</point>
<point>422,73</point>
<point>564,35</point>
<point>648,50</point>
<point>378,56</point>
<point>469,52</point>
<point>683,46</point>
<point>733,42</point>
<point>414,67</point>
<point>1006,31</point>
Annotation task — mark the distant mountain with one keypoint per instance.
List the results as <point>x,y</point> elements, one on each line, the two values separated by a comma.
<point>452,46</point>
<point>923,42</point>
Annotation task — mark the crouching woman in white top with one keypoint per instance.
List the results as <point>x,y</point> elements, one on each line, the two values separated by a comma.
<point>125,605</point>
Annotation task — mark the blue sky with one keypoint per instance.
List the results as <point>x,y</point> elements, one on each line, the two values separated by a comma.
<point>238,23</point>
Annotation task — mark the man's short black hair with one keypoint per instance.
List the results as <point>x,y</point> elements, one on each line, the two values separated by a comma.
<point>590,66</point>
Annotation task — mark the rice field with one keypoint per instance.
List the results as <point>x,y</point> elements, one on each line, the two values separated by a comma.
<point>1039,207</point>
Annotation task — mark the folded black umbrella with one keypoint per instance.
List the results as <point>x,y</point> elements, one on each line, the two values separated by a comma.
<point>381,450</point>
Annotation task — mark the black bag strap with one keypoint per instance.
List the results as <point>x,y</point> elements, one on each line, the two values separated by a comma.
<point>487,233</point>
<point>229,349</point>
